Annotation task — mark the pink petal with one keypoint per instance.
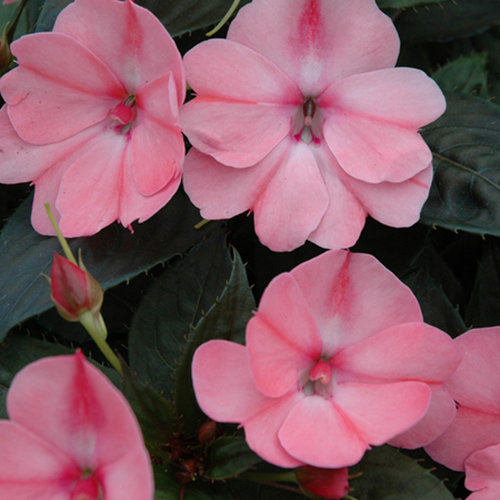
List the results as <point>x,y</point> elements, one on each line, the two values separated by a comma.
<point>282,338</point>
<point>129,39</point>
<point>55,96</point>
<point>378,412</point>
<point>482,473</point>
<point>84,415</point>
<point>262,430</point>
<point>352,297</point>
<point>157,146</point>
<point>471,430</point>
<point>223,382</point>
<point>293,202</point>
<point>32,468</point>
<point>479,368</point>
<point>345,217</point>
<point>222,192</point>
<point>375,151</point>
<point>318,41</point>
<point>317,433</point>
<point>394,204</point>
<point>438,418</point>
<point>403,96</point>
<point>401,352</point>
<point>88,197</point>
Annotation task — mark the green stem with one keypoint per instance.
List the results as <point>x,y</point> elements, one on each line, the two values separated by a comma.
<point>224,20</point>
<point>60,237</point>
<point>93,327</point>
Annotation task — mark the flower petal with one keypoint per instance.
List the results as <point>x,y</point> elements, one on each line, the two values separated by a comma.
<point>294,200</point>
<point>401,352</point>
<point>378,412</point>
<point>157,145</point>
<point>352,297</point>
<point>317,433</point>
<point>31,467</point>
<point>83,415</point>
<point>318,41</point>
<point>222,192</point>
<point>344,218</point>
<point>471,430</point>
<point>482,473</point>
<point>479,368</point>
<point>128,38</point>
<point>394,204</point>
<point>223,382</point>
<point>281,338</point>
<point>54,96</point>
<point>438,418</point>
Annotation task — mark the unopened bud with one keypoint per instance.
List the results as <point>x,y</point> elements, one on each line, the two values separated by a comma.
<point>324,483</point>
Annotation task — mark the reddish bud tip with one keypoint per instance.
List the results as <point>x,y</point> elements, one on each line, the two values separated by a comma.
<point>325,483</point>
<point>207,432</point>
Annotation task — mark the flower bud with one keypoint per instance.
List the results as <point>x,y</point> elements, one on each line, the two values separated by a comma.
<point>5,54</point>
<point>74,290</point>
<point>324,483</point>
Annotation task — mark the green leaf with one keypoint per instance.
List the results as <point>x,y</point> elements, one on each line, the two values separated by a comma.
<point>112,256</point>
<point>446,21</point>
<point>437,290</point>
<point>227,319</point>
<point>398,4</point>
<point>465,141</point>
<point>50,11</point>
<point>483,308</point>
<point>188,15</point>
<point>228,457</point>
<point>387,474</point>
<point>173,305</point>
<point>155,414</point>
<point>466,75</point>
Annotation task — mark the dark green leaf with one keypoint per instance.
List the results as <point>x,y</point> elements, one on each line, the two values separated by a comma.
<point>50,11</point>
<point>398,4</point>
<point>228,457</point>
<point>227,319</point>
<point>490,43</point>
<point>155,414</point>
<point>447,20</point>
<point>188,15</point>
<point>483,308</point>
<point>437,290</point>
<point>244,490</point>
<point>465,141</point>
<point>466,75</point>
<point>387,474</point>
<point>174,304</point>
<point>112,256</point>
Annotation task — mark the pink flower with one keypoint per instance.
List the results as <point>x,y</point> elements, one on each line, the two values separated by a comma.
<point>482,473</point>
<point>475,388</point>
<point>326,483</point>
<point>337,359</point>
<point>300,117</point>
<point>92,117</point>
<point>71,436</point>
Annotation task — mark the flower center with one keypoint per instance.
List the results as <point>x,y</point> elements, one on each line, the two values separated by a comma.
<point>125,113</point>
<point>321,372</point>
<point>320,379</point>
<point>307,122</point>
<point>87,487</point>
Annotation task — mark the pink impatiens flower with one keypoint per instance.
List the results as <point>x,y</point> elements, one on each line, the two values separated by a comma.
<point>71,436</point>
<point>482,473</point>
<point>92,117</point>
<point>475,387</point>
<point>337,359</point>
<point>300,117</point>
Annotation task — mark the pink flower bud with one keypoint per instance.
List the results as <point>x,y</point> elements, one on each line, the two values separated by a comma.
<point>74,290</point>
<point>326,483</point>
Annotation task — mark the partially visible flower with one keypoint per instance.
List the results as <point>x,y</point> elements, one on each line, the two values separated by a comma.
<point>482,473</point>
<point>92,117</point>
<point>72,436</point>
<point>300,117</point>
<point>475,387</point>
<point>326,483</point>
<point>337,359</point>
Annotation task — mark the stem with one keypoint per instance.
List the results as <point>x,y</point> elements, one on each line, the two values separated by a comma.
<point>60,237</point>
<point>202,223</point>
<point>88,320</point>
<point>223,21</point>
